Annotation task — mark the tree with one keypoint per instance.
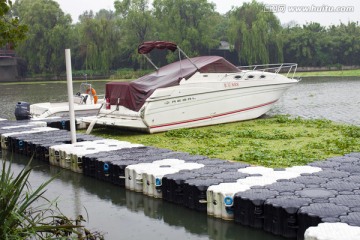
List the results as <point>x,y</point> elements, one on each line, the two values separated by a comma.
<point>346,41</point>
<point>316,45</point>
<point>11,31</point>
<point>136,23</point>
<point>189,23</point>
<point>255,34</point>
<point>98,40</point>
<point>48,36</point>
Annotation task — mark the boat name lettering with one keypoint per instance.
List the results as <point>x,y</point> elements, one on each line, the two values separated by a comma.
<point>180,100</point>
<point>231,84</point>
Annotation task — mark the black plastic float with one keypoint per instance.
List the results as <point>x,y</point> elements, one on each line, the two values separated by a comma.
<point>173,185</point>
<point>325,164</point>
<point>309,180</point>
<point>195,192</point>
<point>351,201</point>
<point>332,174</point>
<point>353,219</point>
<point>280,215</point>
<point>249,206</point>
<point>285,186</point>
<point>316,213</point>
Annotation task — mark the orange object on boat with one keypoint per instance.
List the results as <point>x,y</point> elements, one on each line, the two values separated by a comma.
<point>93,93</point>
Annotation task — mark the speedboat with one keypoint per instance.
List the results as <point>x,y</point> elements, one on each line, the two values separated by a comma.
<point>192,92</point>
<point>86,103</point>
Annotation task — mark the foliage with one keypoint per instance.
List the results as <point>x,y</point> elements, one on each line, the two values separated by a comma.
<point>256,34</point>
<point>129,74</point>
<point>22,218</point>
<point>97,41</point>
<point>136,22</point>
<point>315,45</point>
<point>336,73</point>
<point>11,30</point>
<point>189,23</point>
<point>105,41</point>
<point>279,141</point>
<point>48,36</point>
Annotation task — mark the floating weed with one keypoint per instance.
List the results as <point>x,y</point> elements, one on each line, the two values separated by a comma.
<point>258,134</point>
<point>351,131</point>
<point>189,133</point>
<point>281,134</point>
<point>277,158</point>
<point>258,144</point>
<point>234,142</point>
<point>315,145</point>
<point>305,133</point>
<point>276,142</point>
<point>342,145</point>
<point>282,119</point>
<point>204,151</point>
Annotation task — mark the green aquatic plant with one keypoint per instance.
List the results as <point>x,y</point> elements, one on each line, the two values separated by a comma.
<point>27,214</point>
<point>279,141</point>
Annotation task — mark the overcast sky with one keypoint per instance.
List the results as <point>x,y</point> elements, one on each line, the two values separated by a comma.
<point>286,14</point>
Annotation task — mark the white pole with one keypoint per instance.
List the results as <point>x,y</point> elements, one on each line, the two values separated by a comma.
<point>70,95</point>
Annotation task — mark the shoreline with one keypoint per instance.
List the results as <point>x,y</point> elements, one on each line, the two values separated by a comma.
<point>332,73</point>
<point>305,74</point>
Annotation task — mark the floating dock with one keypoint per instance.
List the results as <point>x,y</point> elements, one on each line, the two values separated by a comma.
<point>318,201</point>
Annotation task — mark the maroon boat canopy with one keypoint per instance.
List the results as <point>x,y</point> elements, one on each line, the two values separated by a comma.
<point>133,95</point>
<point>147,47</point>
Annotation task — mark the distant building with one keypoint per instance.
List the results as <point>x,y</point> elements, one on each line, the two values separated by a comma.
<point>224,51</point>
<point>11,67</point>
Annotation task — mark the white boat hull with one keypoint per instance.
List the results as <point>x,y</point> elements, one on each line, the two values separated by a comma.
<point>61,109</point>
<point>211,108</point>
<point>45,110</point>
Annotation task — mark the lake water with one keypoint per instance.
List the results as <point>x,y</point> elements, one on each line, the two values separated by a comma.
<point>121,214</point>
<point>336,99</point>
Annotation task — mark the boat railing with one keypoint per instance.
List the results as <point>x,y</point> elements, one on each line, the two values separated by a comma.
<point>288,69</point>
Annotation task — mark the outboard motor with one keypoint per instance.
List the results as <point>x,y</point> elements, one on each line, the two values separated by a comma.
<point>22,111</point>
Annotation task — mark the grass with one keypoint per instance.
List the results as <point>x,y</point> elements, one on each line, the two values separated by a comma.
<point>279,141</point>
<point>26,214</point>
<point>337,73</point>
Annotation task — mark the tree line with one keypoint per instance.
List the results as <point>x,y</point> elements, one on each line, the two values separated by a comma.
<point>108,40</point>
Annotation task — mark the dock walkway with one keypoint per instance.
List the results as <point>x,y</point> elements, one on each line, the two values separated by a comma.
<point>317,201</point>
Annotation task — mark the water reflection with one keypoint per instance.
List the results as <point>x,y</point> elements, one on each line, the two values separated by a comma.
<point>123,214</point>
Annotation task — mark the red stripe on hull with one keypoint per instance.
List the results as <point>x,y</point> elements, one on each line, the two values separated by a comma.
<point>215,116</point>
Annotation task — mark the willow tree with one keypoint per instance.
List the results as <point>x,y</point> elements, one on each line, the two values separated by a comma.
<point>136,24</point>
<point>255,34</point>
<point>189,23</point>
<point>98,40</point>
<point>49,34</point>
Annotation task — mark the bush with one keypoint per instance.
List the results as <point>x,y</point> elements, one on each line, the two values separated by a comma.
<point>22,218</point>
<point>129,73</point>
